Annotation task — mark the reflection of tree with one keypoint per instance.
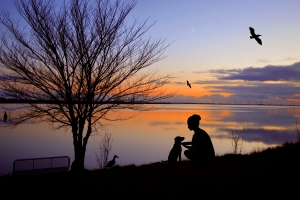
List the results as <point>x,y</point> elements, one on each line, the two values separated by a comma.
<point>237,142</point>
<point>85,60</point>
<point>298,130</point>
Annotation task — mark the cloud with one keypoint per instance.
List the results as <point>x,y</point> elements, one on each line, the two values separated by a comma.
<point>158,123</point>
<point>170,129</point>
<point>179,83</point>
<point>267,73</point>
<point>289,59</point>
<point>262,60</point>
<point>224,71</point>
<point>283,90</point>
<point>269,137</point>
<point>10,78</point>
<point>199,72</point>
<point>270,84</point>
<point>211,82</point>
<point>245,92</point>
<point>163,123</point>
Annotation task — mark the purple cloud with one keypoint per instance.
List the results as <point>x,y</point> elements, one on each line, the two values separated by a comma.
<point>267,73</point>
<point>10,78</point>
<point>269,137</point>
<point>270,90</point>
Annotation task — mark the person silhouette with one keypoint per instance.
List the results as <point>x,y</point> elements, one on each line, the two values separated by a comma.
<point>200,149</point>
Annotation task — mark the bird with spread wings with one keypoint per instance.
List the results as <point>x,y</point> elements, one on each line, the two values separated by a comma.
<point>188,84</point>
<point>253,35</point>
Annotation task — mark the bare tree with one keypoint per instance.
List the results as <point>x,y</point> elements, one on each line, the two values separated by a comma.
<point>237,142</point>
<point>105,147</point>
<point>72,65</point>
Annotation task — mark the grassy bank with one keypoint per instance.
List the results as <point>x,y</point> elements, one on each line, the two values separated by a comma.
<point>270,172</point>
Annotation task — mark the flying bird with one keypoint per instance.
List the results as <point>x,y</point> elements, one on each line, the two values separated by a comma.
<point>112,162</point>
<point>188,84</point>
<point>253,35</point>
<point>5,116</point>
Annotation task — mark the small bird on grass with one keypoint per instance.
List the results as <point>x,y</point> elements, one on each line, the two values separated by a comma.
<point>253,35</point>
<point>112,162</point>
<point>187,82</point>
<point>5,116</point>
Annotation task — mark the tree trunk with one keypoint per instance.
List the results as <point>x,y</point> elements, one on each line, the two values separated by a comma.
<point>80,144</point>
<point>78,163</point>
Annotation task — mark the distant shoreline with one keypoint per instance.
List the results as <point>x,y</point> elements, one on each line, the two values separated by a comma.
<point>14,101</point>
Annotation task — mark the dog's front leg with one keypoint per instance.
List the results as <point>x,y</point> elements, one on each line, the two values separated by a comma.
<point>180,157</point>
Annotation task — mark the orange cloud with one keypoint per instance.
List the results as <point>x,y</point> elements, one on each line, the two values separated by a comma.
<point>291,99</point>
<point>196,90</point>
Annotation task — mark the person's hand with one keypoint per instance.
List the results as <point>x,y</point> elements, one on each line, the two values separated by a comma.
<point>186,143</point>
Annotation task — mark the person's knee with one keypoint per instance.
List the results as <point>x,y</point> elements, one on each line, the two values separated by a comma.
<point>188,154</point>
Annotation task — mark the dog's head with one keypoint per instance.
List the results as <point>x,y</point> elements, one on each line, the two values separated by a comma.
<point>179,139</point>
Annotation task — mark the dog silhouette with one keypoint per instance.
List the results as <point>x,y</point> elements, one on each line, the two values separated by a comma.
<point>175,153</point>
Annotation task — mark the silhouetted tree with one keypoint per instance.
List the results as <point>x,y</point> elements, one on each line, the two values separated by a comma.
<point>81,61</point>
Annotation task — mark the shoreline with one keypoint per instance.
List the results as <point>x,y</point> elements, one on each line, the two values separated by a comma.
<point>13,101</point>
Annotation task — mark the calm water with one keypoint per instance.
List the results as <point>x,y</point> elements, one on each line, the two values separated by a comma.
<point>149,136</point>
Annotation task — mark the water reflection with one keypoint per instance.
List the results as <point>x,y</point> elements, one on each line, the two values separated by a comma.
<point>269,125</point>
<point>150,136</point>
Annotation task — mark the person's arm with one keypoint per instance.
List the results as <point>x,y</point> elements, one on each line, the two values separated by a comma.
<point>187,145</point>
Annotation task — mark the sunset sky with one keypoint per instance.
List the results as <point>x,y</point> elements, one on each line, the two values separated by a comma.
<point>211,48</point>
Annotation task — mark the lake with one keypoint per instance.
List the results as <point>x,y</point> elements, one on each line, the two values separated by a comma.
<point>149,136</point>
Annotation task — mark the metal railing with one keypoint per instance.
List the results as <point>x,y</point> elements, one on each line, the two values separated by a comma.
<point>40,165</point>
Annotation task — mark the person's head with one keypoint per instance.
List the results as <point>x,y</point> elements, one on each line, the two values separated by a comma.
<point>193,121</point>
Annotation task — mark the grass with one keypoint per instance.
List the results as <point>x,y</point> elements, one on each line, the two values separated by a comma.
<point>271,172</point>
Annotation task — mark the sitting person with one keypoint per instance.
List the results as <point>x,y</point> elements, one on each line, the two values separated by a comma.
<point>200,149</point>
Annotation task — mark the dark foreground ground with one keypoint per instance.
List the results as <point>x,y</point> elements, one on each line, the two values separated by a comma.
<point>274,172</point>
